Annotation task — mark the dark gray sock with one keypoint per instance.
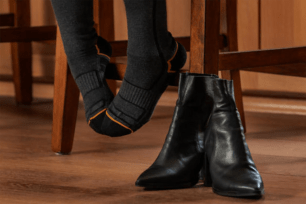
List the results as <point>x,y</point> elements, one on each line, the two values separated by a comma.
<point>87,54</point>
<point>152,52</point>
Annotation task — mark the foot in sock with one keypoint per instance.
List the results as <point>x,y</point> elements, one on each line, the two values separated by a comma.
<point>134,105</point>
<point>96,94</point>
<point>152,55</point>
<point>87,54</point>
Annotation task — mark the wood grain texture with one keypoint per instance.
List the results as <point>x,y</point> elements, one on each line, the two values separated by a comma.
<point>104,170</point>
<point>259,25</point>
<point>296,70</point>
<point>65,103</point>
<point>21,53</point>
<point>42,80</point>
<point>20,34</point>
<point>28,34</point>
<point>259,58</point>
<point>7,19</point>
<point>299,22</point>
<point>276,34</point>
<point>282,25</point>
<point>179,17</point>
<point>197,35</point>
<point>248,37</point>
<point>105,17</point>
<point>212,32</point>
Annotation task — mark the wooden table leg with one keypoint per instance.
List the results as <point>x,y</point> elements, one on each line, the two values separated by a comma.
<point>65,104</point>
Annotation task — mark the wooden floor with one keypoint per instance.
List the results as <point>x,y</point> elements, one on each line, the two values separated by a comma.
<point>103,170</point>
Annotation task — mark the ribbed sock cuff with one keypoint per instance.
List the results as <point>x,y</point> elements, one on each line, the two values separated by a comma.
<point>89,81</point>
<point>133,103</point>
<point>140,97</point>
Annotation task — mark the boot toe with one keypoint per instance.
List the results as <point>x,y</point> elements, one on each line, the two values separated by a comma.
<point>250,190</point>
<point>159,177</point>
<point>154,177</point>
<point>103,124</point>
<point>253,185</point>
<point>248,185</point>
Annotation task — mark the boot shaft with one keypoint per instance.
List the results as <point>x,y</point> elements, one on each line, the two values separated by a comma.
<point>225,100</point>
<point>224,133</point>
<point>193,108</point>
<point>223,96</point>
<point>195,90</point>
<point>204,91</point>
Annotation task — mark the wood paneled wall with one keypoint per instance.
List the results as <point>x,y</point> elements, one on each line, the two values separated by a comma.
<point>283,24</point>
<point>43,54</point>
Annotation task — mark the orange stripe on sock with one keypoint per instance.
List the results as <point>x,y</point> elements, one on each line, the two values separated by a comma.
<point>93,117</point>
<point>169,61</point>
<point>99,53</point>
<point>119,122</point>
<point>108,57</point>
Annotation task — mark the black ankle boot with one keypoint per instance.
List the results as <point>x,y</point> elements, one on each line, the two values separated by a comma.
<point>230,169</point>
<point>182,155</point>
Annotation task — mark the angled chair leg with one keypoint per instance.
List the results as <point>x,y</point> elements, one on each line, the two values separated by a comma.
<point>232,34</point>
<point>65,104</point>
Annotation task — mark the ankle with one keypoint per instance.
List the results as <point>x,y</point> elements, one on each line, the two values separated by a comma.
<point>143,71</point>
<point>169,48</point>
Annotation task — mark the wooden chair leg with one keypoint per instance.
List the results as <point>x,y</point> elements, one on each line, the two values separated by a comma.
<point>208,27</point>
<point>205,32</point>
<point>231,21</point>
<point>197,36</point>
<point>204,40</point>
<point>22,71</point>
<point>22,54</point>
<point>66,92</point>
<point>65,103</point>
<point>212,33</point>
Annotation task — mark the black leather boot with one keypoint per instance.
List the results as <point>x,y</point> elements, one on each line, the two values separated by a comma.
<point>230,169</point>
<point>182,155</point>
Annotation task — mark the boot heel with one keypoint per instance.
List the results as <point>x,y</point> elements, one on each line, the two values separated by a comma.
<point>206,172</point>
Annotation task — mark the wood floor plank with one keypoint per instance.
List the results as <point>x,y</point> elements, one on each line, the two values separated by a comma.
<point>103,170</point>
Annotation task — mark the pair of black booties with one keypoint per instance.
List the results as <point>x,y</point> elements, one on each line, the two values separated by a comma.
<point>206,133</point>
